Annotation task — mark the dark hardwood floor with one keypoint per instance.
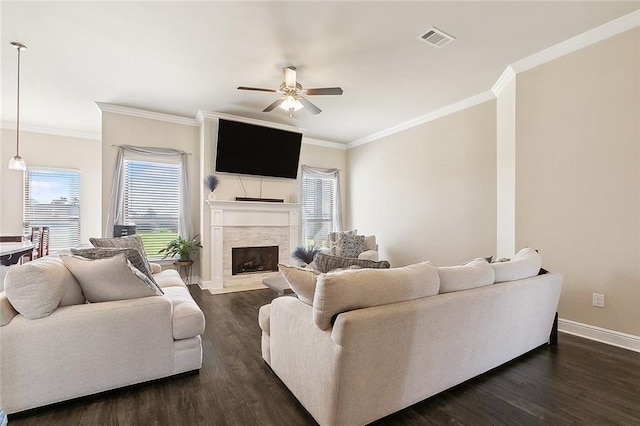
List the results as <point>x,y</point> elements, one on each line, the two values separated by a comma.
<point>576,382</point>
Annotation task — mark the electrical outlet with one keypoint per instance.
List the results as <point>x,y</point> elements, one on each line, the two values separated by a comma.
<point>598,300</point>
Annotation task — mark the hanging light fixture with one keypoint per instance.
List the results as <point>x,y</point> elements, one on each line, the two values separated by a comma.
<point>17,163</point>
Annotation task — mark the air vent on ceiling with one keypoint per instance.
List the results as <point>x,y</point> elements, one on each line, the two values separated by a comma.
<point>436,37</point>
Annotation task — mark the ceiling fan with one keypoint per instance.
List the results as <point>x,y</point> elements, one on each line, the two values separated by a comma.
<point>293,97</point>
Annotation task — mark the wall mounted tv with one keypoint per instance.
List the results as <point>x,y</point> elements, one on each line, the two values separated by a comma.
<point>248,149</point>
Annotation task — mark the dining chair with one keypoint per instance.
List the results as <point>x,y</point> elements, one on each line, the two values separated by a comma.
<point>40,239</point>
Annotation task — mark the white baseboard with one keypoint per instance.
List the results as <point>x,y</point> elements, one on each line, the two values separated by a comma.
<point>603,335</point>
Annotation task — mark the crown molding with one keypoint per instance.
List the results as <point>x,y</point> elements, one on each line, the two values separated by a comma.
<point>52,131</point>
<point>505,78</point>
<point>587,38</point>
<point>152,115</point>
<point>434,115</point>
<point>595,35</point>
<point>210,115</point>
<point>323,143</point>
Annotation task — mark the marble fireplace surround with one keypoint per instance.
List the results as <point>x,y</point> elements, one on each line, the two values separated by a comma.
<point>250,224</point>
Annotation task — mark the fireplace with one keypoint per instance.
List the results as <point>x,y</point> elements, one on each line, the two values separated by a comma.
<point>249,224</point>
<point>248,260</point>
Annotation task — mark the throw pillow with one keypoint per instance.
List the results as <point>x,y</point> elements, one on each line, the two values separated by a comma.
<point>526,263</point>
<point>35,289</point>
<point>347,290</point>
<point>351,245</point>
<point>133,255</point>
<point>301,280</point>
<point>326,262</point>
<point>476,273</point>
<point>112,278</point>
<point>130,241</point>
<point>334,237</point>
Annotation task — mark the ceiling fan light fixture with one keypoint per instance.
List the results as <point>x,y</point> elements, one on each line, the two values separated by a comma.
<point>290,103</point>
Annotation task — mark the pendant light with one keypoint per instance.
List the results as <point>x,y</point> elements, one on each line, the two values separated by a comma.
<point>17,163</point>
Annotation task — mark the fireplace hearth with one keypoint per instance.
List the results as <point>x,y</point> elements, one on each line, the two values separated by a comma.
<point>248,260</point>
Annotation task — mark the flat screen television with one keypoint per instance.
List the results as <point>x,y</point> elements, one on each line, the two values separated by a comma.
<point>248,149</point>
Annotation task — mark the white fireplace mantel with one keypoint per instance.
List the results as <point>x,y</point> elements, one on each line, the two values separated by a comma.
<point>252,220</point>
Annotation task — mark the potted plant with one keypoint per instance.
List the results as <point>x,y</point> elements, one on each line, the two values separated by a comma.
<point>212,182</point>
<point>181,247</point>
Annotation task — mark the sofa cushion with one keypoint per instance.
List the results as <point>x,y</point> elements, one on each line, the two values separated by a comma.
<point>362,288</point>
<point>350,245</point>
<point>112,278</point>
<point>133,255</point>
<point>301,280</point>
<point>476,273</point>
<point>526,263</point>
<point>129,241</point>
<point>188,319</point>
<point>169,278</point>
<point>326,262</point>
<point>35,289</point>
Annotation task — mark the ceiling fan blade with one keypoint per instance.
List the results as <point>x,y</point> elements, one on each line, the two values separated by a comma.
<point>324,91</point>
<point>274,105</point>
<point>308,105</point>
<point>258,89</point>
<point>289,77</point>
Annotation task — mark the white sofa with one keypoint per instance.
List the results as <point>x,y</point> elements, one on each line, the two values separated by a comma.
<point>376,341</point>
<point>85,348</point>
<point>370,249</point>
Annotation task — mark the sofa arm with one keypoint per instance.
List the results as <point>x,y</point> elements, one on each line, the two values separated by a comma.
<point>7,312</point>
<point>156,268</point>
<point>369,255</point>
<point>304,357</point>
<point>89,348</point>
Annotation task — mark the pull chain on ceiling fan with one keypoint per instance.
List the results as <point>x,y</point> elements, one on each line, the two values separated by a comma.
<point>293,98</point>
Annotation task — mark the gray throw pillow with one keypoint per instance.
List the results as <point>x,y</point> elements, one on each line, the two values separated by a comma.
<point>133,255</point>
<point>351,245</point>
<point>112,278</point>
<point>326,262</point>
<point>130,241</point>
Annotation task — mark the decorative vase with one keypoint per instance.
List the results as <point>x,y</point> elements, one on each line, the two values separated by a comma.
<point>211,196</point>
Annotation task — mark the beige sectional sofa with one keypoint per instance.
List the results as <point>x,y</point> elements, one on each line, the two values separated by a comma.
<point>55,348</point>
<point>375,341</point>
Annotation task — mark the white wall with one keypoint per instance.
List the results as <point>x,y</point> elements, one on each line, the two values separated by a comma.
<point>49,151</point>
<point>506,170</point>
<point>429,192</point>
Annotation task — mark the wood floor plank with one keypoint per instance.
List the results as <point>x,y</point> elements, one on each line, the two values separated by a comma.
<point>577,382</point>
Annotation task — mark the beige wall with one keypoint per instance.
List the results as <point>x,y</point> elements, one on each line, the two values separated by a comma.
<point>119,129</point>
<point>40,150</point>
<point>429,192</point>
<point>578,177</point>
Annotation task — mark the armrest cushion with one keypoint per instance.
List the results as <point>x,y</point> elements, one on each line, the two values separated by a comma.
<point>188,319</point>
<point>7,312</point>
<point>369,255</point>
<point>156,268</point>
<point>264,318</point>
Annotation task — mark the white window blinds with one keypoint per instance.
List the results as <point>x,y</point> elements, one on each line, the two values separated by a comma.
<point>52,198</point>
<point>152,201</point>
<point>319,206</point>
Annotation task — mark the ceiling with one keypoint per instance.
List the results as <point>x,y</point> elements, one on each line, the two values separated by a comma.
<point>180,57</point>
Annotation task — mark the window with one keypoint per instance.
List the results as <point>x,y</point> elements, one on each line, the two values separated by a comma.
<point>152,201</point>
<point>320,205</point>
<point>52,198</point>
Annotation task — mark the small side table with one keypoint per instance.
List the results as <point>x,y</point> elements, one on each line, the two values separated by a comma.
<point>184,267</point>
